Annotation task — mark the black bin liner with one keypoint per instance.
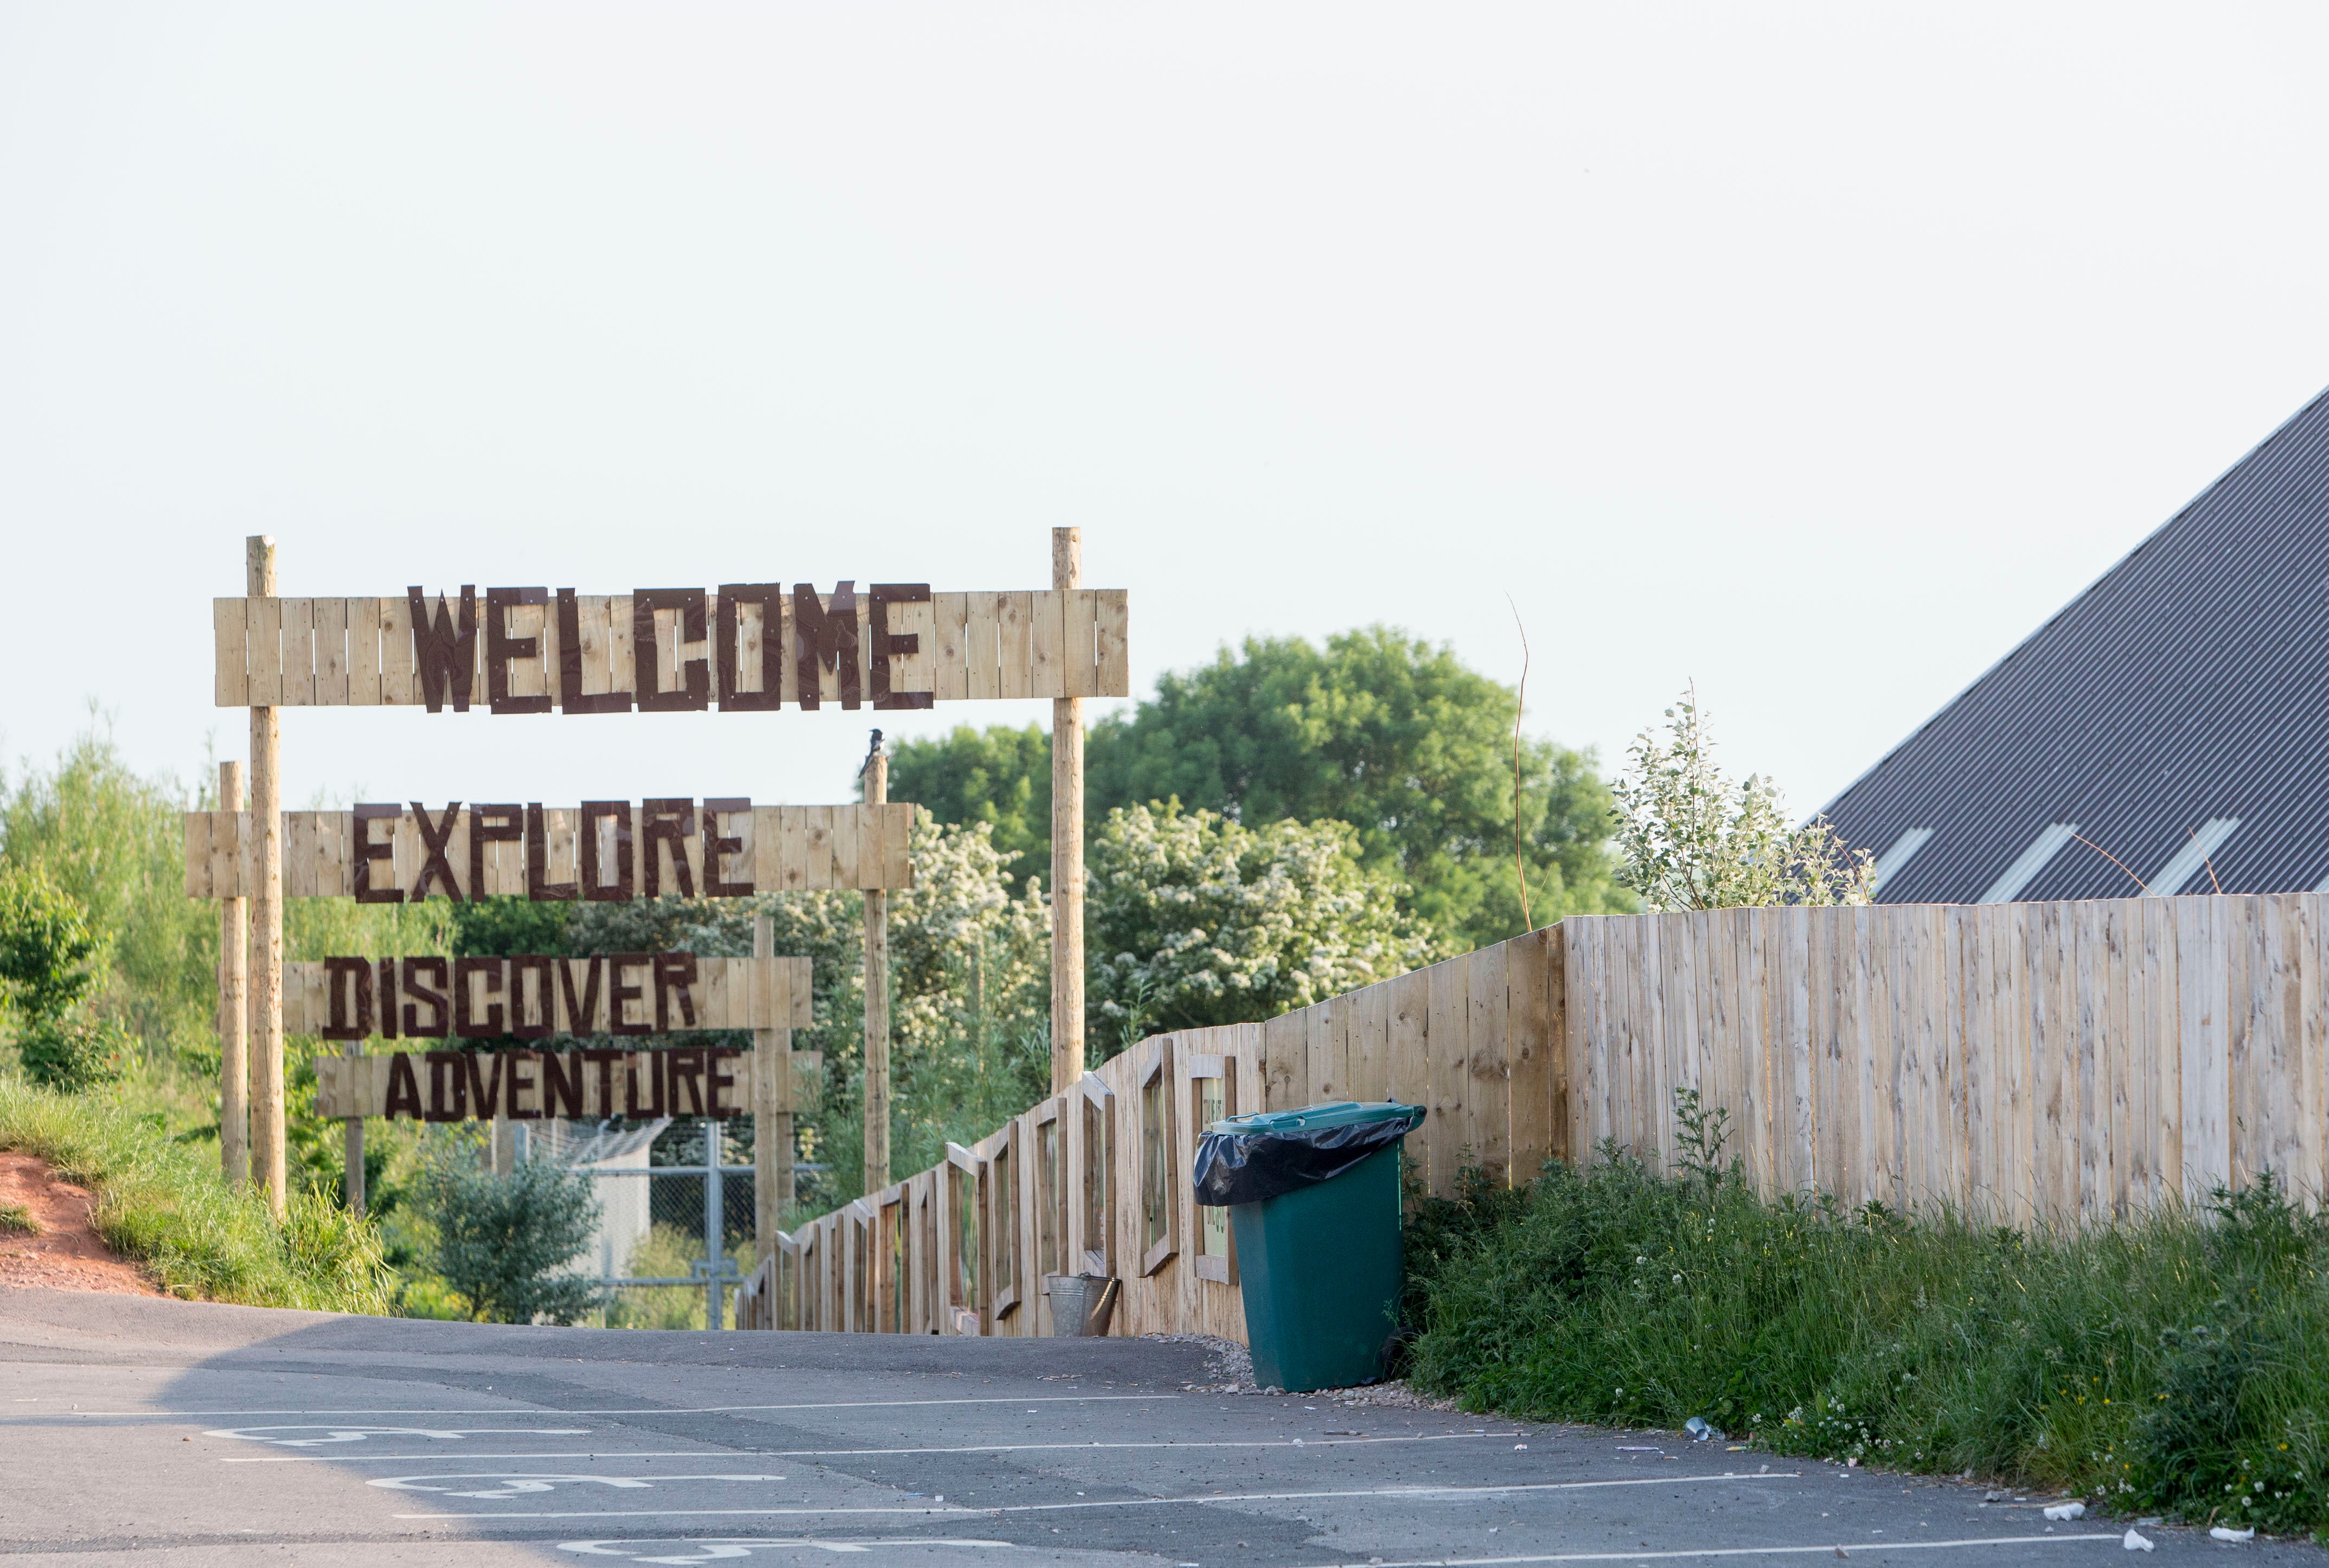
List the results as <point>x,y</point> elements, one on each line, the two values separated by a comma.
<point>1246,1166</point>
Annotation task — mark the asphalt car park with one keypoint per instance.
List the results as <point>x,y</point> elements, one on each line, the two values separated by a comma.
<point>181,1433</point>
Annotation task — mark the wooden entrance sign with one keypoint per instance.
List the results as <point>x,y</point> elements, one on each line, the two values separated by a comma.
<point>743,647</point>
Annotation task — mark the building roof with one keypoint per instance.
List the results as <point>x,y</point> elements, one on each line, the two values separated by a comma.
<point>2172,715</point>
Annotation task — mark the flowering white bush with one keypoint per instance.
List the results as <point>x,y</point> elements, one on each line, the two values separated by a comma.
<point>1687,839</point>
<point>1193,920</point>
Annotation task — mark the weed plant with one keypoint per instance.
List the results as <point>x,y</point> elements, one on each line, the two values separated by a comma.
<point>2176,1364</point>
<point>162,1203</point>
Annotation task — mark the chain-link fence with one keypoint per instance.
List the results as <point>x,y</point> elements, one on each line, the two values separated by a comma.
<point>676,1229</point>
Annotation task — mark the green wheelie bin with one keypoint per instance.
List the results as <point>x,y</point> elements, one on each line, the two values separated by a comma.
<point>1313,1196</point>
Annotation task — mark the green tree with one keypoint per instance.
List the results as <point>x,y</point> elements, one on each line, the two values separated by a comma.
<point>1378,728</point>
<point>1194,919</point>
<point>999,776</point>
<point>504,1242</point>
<point>48,962</point>
<point>1690,839</point>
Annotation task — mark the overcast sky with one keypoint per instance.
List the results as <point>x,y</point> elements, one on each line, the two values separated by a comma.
<point>1815,354</point>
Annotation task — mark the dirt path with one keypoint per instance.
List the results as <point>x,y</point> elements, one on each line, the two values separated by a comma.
<point>67,1254</point>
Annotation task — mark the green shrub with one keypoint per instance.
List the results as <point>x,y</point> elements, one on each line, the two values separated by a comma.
<point>503,1241</point>
<point>2178,1363</point>
<point>163,1205</point>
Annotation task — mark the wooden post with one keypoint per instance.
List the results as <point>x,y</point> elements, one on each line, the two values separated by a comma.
<point>233,1011</point>
<point>877,998</point>
<point>772,1113</point>
<point>265,916</point>
<point>1067,847</point>
<point>352,1177</point>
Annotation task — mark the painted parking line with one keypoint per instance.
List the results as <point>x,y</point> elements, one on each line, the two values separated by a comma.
<point>1204,1501</point>
<point>1824,1549</point>
<point>357,1434</point>
<point>716,1548</point>
<point>514,1484</point>
<point>516,1405</point>
<point>724,1452</point>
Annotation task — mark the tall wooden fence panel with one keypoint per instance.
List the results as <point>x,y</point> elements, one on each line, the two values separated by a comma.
<point>2057,1061</point>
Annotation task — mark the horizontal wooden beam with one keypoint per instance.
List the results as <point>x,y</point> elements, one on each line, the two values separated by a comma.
<point>579,1085</point>
<point>491,997</point>
<point>527,651</point>
<point>639,852</point>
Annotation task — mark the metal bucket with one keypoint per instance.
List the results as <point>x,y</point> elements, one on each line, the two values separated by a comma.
<point>1081,1304</point>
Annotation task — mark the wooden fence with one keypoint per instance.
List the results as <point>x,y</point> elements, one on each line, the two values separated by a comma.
<point>2028,1062</point>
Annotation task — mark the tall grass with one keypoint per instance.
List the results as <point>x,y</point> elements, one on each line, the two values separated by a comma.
<point>2177,1364</point>
<point>162,1203</point>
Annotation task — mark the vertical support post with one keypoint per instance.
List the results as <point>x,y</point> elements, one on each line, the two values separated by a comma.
<point>772,1113</point>
<point>877,997</point>
<point>505,1144</point>
<point>352,1177</point>
<point>715,1214</point>
<point>265,915</point>
<point>233,1011</point>
<point>1067,847</point>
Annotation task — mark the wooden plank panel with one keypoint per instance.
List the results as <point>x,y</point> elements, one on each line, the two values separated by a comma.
<point>299,687</point>
<point>950,667</point>
<point>1079,644</point>
<point>1112,635</point>
<point>400,683</point>
<point>263,650</point>
<point>1014,661</point>
<point>196,827</point>
<point>1326,1076</point>
<point>332,663</point>
<point>1047,637</point>
<point>622,664</point>
<point>982,646</point>
<point>1488,1096</point>
<point>230,681</point>
<point>364,652</point>
<point>1449,1034</point>
<point>897,846</point>
<point>1284,1064</point>
<point>1370,1043</point>
<point>767,873</point>
<point>2312,1169</point>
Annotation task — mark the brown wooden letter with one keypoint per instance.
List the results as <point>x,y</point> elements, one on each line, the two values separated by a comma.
<point>445,658</point>
<point>465,1024</point>
<point>561,1083</point>
<point>716,848</point>
<point>485,1086</point>
<point>537,885</point>
<point>571,695</point>
<point>341,976</point>
<point>449,1086</point>
<point>733,597</point>
<point>490,824</point>
<point>594,887</point>
<point>826,639</point>
<point>694,693</point>
<point>674,973</point>
<point>388,997</point>
<point>501,649</point>
<point>618,993</point>
<point>581,1012</point>
<point>419,993</point>
<point>724,1083</point>
<point>367,851</point>
<point>403,1089</point>
<point>883,595</point>
<point>434,866</point>
<point>671,823</point>
<point>514,1081</point>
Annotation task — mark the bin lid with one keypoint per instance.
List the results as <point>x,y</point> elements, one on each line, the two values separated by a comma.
<point>1311,1118</point>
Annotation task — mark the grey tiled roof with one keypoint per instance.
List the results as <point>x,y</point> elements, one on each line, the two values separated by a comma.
<point>2186,686</point>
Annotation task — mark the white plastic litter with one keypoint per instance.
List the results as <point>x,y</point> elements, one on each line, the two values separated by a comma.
<point>1698,1429</point>
<point>2221,1534</point>
<point>2134,1542</point>
<point>2067,1511</point>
